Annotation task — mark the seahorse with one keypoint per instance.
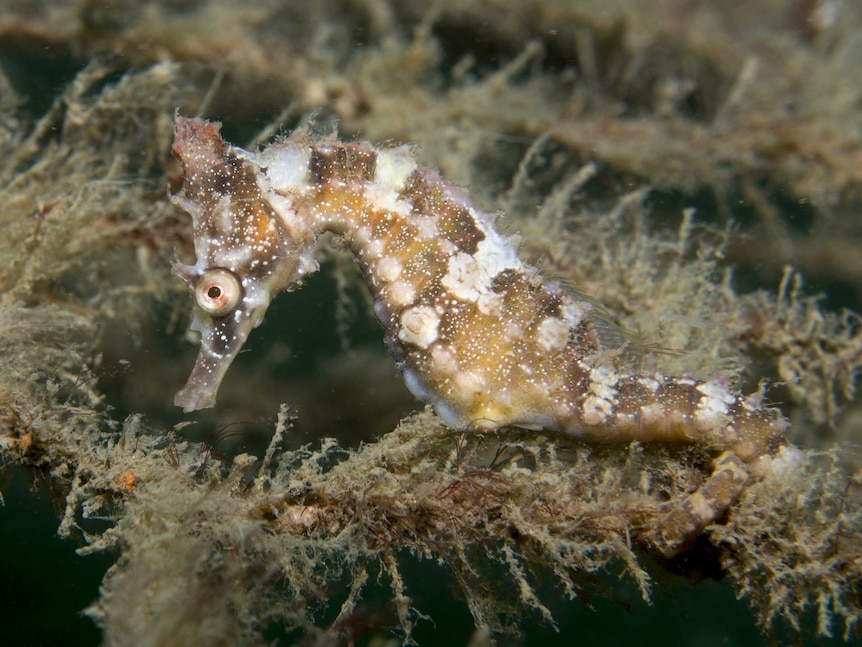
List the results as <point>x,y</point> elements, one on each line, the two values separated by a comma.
<point>475,331</point>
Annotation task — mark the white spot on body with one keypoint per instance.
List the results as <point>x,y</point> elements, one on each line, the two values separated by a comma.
<point>470,382</point>
<point>427,228</point>
<point>713,406</point>
<point>444,358</point>
<point>362,236</point>
<point>596,410</point>
<point>401,293</point>
<point>464,277</point>
<point>490,303</point>
<point>385,198</point>
<point>552,334</point>
<point>649,383</point>
<point>496,253</point>
<point>418,326</point>
<point>392,169</point>
<point>603,381</point>
<point>375,249</point>
<point>389,269</point>
<point>394,166</point>
<point>443,244</point>
<point>599,404</point>
<point>574,310</point>
<point>286,165</point>
<point>715,390</point>
<point>469,276</point>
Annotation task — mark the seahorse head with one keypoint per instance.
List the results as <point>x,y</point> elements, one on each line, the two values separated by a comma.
<point>244,252</point>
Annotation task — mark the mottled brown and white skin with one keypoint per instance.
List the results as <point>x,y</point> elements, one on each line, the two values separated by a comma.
<point>476,332</point>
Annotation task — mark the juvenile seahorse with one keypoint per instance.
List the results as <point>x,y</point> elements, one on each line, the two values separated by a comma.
<point>475,331</point>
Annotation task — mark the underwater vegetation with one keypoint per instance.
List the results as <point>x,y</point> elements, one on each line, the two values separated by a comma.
<point>696,174</point>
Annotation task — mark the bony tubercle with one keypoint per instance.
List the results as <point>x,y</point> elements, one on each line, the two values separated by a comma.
<point>475,331</point>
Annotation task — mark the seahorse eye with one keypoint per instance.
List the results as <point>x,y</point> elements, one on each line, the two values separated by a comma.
<point>218,292</point>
